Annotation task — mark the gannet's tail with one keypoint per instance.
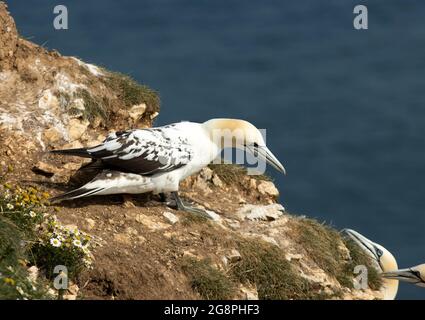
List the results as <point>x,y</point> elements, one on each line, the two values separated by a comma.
<point>109,182</point>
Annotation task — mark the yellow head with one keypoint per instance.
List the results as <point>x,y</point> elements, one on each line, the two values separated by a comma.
<point>385,261</point>
<point>240,134</point>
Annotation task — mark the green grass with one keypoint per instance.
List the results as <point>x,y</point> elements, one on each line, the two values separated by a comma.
<point>234,173</point>
<point>359,257</point>
<point>264,265</point>
<point>24,242</point>
<point>93,106</point>
<point>133,93</point>
<point>323,245</point>
<point>209,282</point>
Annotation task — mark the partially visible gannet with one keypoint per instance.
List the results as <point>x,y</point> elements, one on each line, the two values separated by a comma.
<point>157,159</point>
<point>385,262</point>
<point>415,275</point>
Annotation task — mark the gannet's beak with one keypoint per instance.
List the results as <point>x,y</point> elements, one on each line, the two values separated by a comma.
<point>409,275</point>
<point>364,242</point>
<point>266,155</point>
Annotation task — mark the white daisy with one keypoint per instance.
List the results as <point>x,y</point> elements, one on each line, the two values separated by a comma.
<point>55,242</point>
<point>9,206</point>
<point>32,214</point>
<point>77,243</point>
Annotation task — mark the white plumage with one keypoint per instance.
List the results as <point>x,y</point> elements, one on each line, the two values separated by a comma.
<point>157,159</point>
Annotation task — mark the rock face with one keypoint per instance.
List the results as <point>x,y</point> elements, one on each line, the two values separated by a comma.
<point>8,39</point>
<point>248,248</point>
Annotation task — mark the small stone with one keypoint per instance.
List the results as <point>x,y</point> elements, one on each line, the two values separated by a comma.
<point>72,292</point>
<point>90,223</point>
<point>206,174</point>
<point>217,181</point>
<point>52,135</point>
<point>261,212</point>
<point>33,273</point>
<point>253,184</point>
<point>45,169</point>
<point>137,111</point>
<point>150,222</point>
<point>268,188</point>
<point>234,256</point>
<point>122,238</point>
<point>249,293</point>
<point>76,128</point>
<point>131,231</point>
<point>293,257</point>
<point>170,217</point>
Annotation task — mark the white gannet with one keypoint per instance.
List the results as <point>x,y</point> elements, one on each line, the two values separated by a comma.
<point>384,259</point>
<point>157,159</point>
<point>415,275</point>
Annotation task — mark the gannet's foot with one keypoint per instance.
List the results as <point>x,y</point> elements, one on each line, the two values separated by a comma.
<point>181,205</point>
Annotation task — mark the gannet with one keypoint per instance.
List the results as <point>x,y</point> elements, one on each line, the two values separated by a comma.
<point>157,159</point>
<point>415,275</point>
<point>384,259</point>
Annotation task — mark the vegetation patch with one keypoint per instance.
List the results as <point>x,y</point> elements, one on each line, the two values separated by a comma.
<point>209,282</point>
<point>131,92</point>
<point>234,173</point>
<point>324,247</point>
<point>31,237</point>
<point>264,265</point>
<point>360,258</point>
<point>94,107</point>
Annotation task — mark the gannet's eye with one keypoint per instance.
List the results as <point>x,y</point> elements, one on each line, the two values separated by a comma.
<point>255,145</point>
<point>417,274</point>
<point>379,252</point>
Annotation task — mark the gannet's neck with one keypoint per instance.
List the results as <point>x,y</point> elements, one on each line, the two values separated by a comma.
<point>389,289</point>
<point>388,263</point>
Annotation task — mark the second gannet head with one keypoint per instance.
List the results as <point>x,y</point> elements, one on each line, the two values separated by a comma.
<point>241,134</point>
<point>384,259</point>
<point>415,275</point>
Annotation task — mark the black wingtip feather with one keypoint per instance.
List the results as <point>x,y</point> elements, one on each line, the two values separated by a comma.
<point>79,152</point>
<point>74,194</point>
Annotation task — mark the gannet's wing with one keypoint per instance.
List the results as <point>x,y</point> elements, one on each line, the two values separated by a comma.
<point>145,151</point>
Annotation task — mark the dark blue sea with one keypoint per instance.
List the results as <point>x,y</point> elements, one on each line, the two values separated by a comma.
<point>344,109</point>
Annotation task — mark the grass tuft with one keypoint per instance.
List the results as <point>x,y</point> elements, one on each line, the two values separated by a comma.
<point>210,283</point>
<point>265,266</point>
<point>234,173</point>
<point>133,93</point>
<point>324,246</point>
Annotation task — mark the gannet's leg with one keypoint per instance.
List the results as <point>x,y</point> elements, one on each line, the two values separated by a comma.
<point>185,207</point>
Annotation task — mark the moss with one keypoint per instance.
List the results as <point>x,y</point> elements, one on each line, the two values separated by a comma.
<point>265,266</point>
<point>210,283</point>
<point>231,173</point>
<point>131,92</point>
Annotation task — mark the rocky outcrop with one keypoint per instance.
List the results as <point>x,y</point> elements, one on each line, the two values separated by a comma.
<point>250,249</point>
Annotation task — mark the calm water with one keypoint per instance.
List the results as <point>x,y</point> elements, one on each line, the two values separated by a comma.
<point>344,109</point>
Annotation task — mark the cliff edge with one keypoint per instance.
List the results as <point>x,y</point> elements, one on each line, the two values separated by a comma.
<point>122,247</point>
